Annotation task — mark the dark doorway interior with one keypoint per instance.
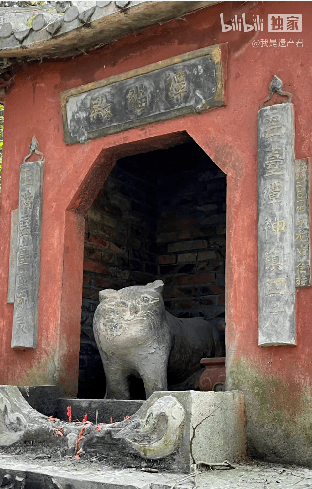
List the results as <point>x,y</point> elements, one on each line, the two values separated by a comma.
<point>160,215</point>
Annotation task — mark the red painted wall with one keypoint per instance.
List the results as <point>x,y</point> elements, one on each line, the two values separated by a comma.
<point>74,174</point>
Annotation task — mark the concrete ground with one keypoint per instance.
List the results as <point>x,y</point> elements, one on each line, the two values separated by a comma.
<point>76,474</point>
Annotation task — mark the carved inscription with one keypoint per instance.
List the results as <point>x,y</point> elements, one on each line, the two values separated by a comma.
<point>174,87</point>
<point>302,224</point>
<point>27,275</point>
<point>13,252</point>
<point>276,237</point>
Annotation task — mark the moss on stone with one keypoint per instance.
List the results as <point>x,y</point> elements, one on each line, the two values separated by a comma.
<point>279,415</point>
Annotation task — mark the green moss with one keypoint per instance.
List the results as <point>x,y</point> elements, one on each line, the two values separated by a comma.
<point>272,402</point>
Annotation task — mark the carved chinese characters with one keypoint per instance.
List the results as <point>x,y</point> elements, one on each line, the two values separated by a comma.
<point>13,252</point>
<point>172,88</point>
<point>302,224</point>
<point>27,273</point>
<point>276,236</point>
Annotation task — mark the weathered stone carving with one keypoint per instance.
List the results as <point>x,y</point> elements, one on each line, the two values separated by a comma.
<point>159,431</point>
<point>178,425</point>
<point>276,258</point>
<point>13,253</point>
<point>27,276</point>
<point>153,432</point>
<point>170,88</point>
<point>302,223</point>
<point>136,336</point>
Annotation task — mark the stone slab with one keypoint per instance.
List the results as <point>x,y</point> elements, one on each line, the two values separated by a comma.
<point>276,257</point>
<point>302,223</point>
<point>101,410</point>
<point>171,88</point>
<point>13,256</point>
<point>214,427</point>
<point>250,475</point>
<point>24,334</point>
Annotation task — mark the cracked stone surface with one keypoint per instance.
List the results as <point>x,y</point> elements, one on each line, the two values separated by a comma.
<point>83,474</point>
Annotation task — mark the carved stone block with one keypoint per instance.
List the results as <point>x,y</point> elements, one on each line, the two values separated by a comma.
<point>302,224</point>
<point>171,88</point>
<point>24,334</point>
<point>276,242</point>
<point>13,253</point>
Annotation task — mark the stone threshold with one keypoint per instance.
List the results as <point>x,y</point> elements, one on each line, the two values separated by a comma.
<point>78,475</point>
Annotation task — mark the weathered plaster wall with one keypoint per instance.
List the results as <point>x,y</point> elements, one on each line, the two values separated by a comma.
<point>276,380</point>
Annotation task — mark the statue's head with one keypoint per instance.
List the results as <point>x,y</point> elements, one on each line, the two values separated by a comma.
<point>135,303</point>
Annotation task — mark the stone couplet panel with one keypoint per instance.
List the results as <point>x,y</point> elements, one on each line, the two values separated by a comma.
<point>13,252</point>
<point>28,256</point>
<point>171,88</point>
<point>276,233</point>
<point>302,223</point>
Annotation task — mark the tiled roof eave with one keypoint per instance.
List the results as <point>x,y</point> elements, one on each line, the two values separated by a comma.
<point>76,32</point>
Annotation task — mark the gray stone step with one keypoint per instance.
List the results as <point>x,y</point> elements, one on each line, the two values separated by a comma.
<point>98,410</point>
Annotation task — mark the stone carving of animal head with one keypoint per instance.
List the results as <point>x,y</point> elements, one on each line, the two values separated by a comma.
<point>132,306</point>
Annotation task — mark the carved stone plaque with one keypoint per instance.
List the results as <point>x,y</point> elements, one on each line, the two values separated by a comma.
<point>302,224</point>
<point>13,252</point>
<point>171,88</point>
<point>24,333</point>
<point>276,242</point>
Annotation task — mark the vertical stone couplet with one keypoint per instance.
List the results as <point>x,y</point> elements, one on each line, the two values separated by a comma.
<point>276,234</point>
<point>302,223</point>
<point>27,275</point>
<point>13,252</point>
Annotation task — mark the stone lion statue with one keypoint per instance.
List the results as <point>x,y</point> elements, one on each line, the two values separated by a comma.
<point>135,335</point>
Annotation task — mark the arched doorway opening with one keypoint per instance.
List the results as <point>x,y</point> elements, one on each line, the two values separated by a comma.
<point>160,215</point>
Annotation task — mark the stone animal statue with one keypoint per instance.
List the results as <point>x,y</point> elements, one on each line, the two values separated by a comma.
<point>136,336</point>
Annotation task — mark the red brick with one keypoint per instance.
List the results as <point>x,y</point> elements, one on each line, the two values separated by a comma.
<point>166,237</point>
<point>166,259</point>
<point>186,234</point>
<point>92,266</point>
<point>174,292</point>
<point>187,245</point>
<point>94,255</point>
<point>186,304</point>
<point>205,278</point>
<point>186,223</point>
<point>103,282</point>
<point>206,255</point>
<point>107,257</point>
<point>187,257</point>
<point>215,289</point>
<point>99,242</point>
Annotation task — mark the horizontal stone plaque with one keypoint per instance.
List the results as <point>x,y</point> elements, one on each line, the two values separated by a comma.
<point>276,241</point>
<point>171,88</point>
<point>24,334</point>
<point>302,224</point>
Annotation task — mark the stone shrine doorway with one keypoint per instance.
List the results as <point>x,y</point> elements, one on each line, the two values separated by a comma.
<point>159,215</point>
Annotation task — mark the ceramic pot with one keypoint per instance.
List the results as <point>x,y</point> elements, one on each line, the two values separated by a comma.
<point>213,377</point>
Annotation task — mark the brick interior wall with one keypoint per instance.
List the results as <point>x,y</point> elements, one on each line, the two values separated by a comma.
<point>160,215</point>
